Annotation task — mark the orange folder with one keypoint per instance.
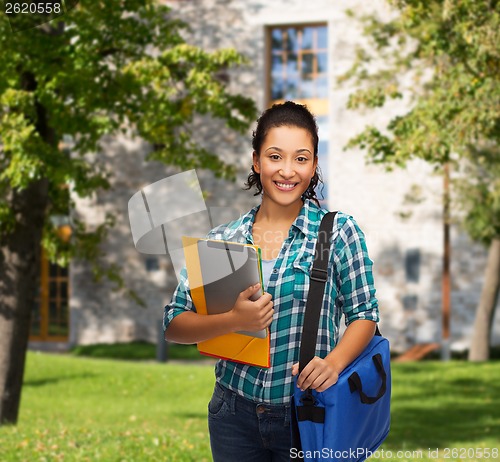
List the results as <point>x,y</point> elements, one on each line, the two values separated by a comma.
<point>232,347</point>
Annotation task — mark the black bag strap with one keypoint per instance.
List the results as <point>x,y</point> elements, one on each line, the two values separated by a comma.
<point>310,329</point>
<point>316,291</point>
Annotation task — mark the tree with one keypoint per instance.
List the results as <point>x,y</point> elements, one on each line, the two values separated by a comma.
<point>103,67</point>
<point>451,51</point>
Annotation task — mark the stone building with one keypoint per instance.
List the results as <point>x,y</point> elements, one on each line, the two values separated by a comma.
<point>295,50</point>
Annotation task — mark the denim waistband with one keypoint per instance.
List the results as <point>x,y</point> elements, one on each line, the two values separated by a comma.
<point>238,402</point>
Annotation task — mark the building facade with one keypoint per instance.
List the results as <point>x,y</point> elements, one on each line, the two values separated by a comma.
<point>296,49</point>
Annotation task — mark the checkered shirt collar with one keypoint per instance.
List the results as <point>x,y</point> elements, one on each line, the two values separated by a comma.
<point>307,222</point>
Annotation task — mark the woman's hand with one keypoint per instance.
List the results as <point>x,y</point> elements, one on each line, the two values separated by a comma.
<point>319,374</point>
<point>252,315</point>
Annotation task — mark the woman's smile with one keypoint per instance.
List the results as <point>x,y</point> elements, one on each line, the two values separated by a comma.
<point>285,186</point>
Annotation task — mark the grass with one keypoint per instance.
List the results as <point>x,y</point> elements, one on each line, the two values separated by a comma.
<point>437,406</point>
<point>81,409</point>
<point>136,351</point>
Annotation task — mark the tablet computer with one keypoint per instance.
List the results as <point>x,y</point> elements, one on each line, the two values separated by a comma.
<point>228,268</point>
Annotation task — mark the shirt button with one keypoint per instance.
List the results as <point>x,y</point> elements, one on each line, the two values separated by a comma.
<point>275,270</point>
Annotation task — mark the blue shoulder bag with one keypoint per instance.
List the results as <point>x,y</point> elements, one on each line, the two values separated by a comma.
<point>351,419</point>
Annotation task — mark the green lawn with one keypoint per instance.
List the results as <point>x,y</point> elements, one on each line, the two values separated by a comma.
<point>136,350</point>
<point>80,409</point>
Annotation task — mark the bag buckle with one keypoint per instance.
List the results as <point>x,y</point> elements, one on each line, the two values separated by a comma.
<point>307,398</point>
<point>309,410</point>
<point>319,275</point>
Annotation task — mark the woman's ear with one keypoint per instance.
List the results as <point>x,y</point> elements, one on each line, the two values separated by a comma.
<point>315,165</point>
<point>256,163</point>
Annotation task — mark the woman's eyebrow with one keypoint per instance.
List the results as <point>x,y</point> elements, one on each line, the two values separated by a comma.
<point>275,148</point>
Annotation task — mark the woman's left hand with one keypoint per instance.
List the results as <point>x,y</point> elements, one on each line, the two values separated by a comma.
<point>319,374</point>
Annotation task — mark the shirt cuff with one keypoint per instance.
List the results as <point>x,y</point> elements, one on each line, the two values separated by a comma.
<point>368,311</point>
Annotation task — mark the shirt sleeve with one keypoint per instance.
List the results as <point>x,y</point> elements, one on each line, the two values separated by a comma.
<point>181,300</point>
<point>355,285</point>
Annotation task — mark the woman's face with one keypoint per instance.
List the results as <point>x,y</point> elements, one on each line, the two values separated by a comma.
<point>286,164</point>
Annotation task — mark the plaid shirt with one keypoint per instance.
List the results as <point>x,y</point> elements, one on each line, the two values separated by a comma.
<point>349,291</point>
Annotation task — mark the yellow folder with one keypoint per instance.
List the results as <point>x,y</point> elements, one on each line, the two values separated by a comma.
<point>233,347</point>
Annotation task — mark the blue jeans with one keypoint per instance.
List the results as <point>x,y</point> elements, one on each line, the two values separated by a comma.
<point>244,431</point>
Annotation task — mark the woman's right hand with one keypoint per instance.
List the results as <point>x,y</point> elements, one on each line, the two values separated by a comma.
<point>251,315</point>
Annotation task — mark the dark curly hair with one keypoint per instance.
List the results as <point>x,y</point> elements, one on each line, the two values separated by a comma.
<point>292,115</point>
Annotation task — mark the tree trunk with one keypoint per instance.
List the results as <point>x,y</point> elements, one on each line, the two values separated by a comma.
<point>20,252</point>
<point>481,337</point>
<point>19,276</point>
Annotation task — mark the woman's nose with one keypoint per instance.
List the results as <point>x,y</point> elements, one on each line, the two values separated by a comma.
<point>287,171</point>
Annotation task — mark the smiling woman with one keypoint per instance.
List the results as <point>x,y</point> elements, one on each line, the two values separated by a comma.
<point>249,413</point>
<point>287,130</point>
<point>285,168</point>
<point>285,175</point>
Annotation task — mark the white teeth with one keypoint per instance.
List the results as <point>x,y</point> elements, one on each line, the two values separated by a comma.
<point>285,186</point>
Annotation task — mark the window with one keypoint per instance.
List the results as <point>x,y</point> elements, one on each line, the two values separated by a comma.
<point>50,314</point>
<point>298,71</point>
<point>299,63</point>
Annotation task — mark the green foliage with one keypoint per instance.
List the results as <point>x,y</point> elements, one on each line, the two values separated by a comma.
<point>104,68</point>
<point>78,409</point>
<point>445,54</point>
<point>478,187</point>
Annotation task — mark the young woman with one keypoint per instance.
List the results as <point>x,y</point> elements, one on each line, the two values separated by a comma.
<point>249,412</point>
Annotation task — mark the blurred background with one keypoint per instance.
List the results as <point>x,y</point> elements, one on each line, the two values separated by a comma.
<point>105,98</point>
